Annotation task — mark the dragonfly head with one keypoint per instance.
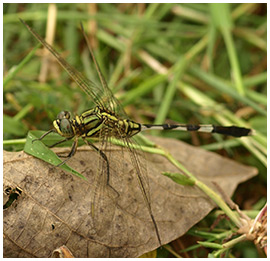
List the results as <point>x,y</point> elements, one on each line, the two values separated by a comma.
<point>63,124</point>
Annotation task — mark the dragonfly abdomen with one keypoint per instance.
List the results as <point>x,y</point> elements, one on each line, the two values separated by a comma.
<point>128,128</point>
<point>209,128</point>
<point>120,128</point>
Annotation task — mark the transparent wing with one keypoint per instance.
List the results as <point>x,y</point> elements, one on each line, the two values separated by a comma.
<point>139,162</point>
<point>108,98</point>
<point>140,172</point>
<point>91,89</point>
<point>121,198</point>
<point>104,196</point>
<point>101,95</point>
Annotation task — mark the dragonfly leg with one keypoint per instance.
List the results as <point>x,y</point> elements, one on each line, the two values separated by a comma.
<point>103,155</point>
<point>59,142</point>
<point>44,135</point>
<point>53,145</point>
<point>71,153</point>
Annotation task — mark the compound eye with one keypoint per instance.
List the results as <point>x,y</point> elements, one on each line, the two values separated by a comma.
<point>63,115</point>
<point>65,126</point>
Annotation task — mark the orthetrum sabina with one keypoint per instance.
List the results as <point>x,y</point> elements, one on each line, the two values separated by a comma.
<point>107,120</point>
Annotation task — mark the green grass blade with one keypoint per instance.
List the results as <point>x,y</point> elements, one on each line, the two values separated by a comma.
<point>12,126</point>
<point>41,151</point>
<point>12,72</point>
<point>221,17</point>
<point>179,179</point>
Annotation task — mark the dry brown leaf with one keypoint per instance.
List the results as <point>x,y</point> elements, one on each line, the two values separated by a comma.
<point>53,208</point>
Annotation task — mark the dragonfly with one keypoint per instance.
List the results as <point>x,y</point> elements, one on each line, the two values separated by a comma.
<point>108,120</point>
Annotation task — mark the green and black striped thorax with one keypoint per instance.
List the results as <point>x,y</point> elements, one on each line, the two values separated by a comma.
<point>93,123</point>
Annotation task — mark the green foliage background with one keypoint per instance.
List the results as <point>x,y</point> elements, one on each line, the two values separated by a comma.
<point>185,63</point>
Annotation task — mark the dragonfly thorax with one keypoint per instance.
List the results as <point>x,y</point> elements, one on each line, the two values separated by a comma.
<point>98,121</point>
